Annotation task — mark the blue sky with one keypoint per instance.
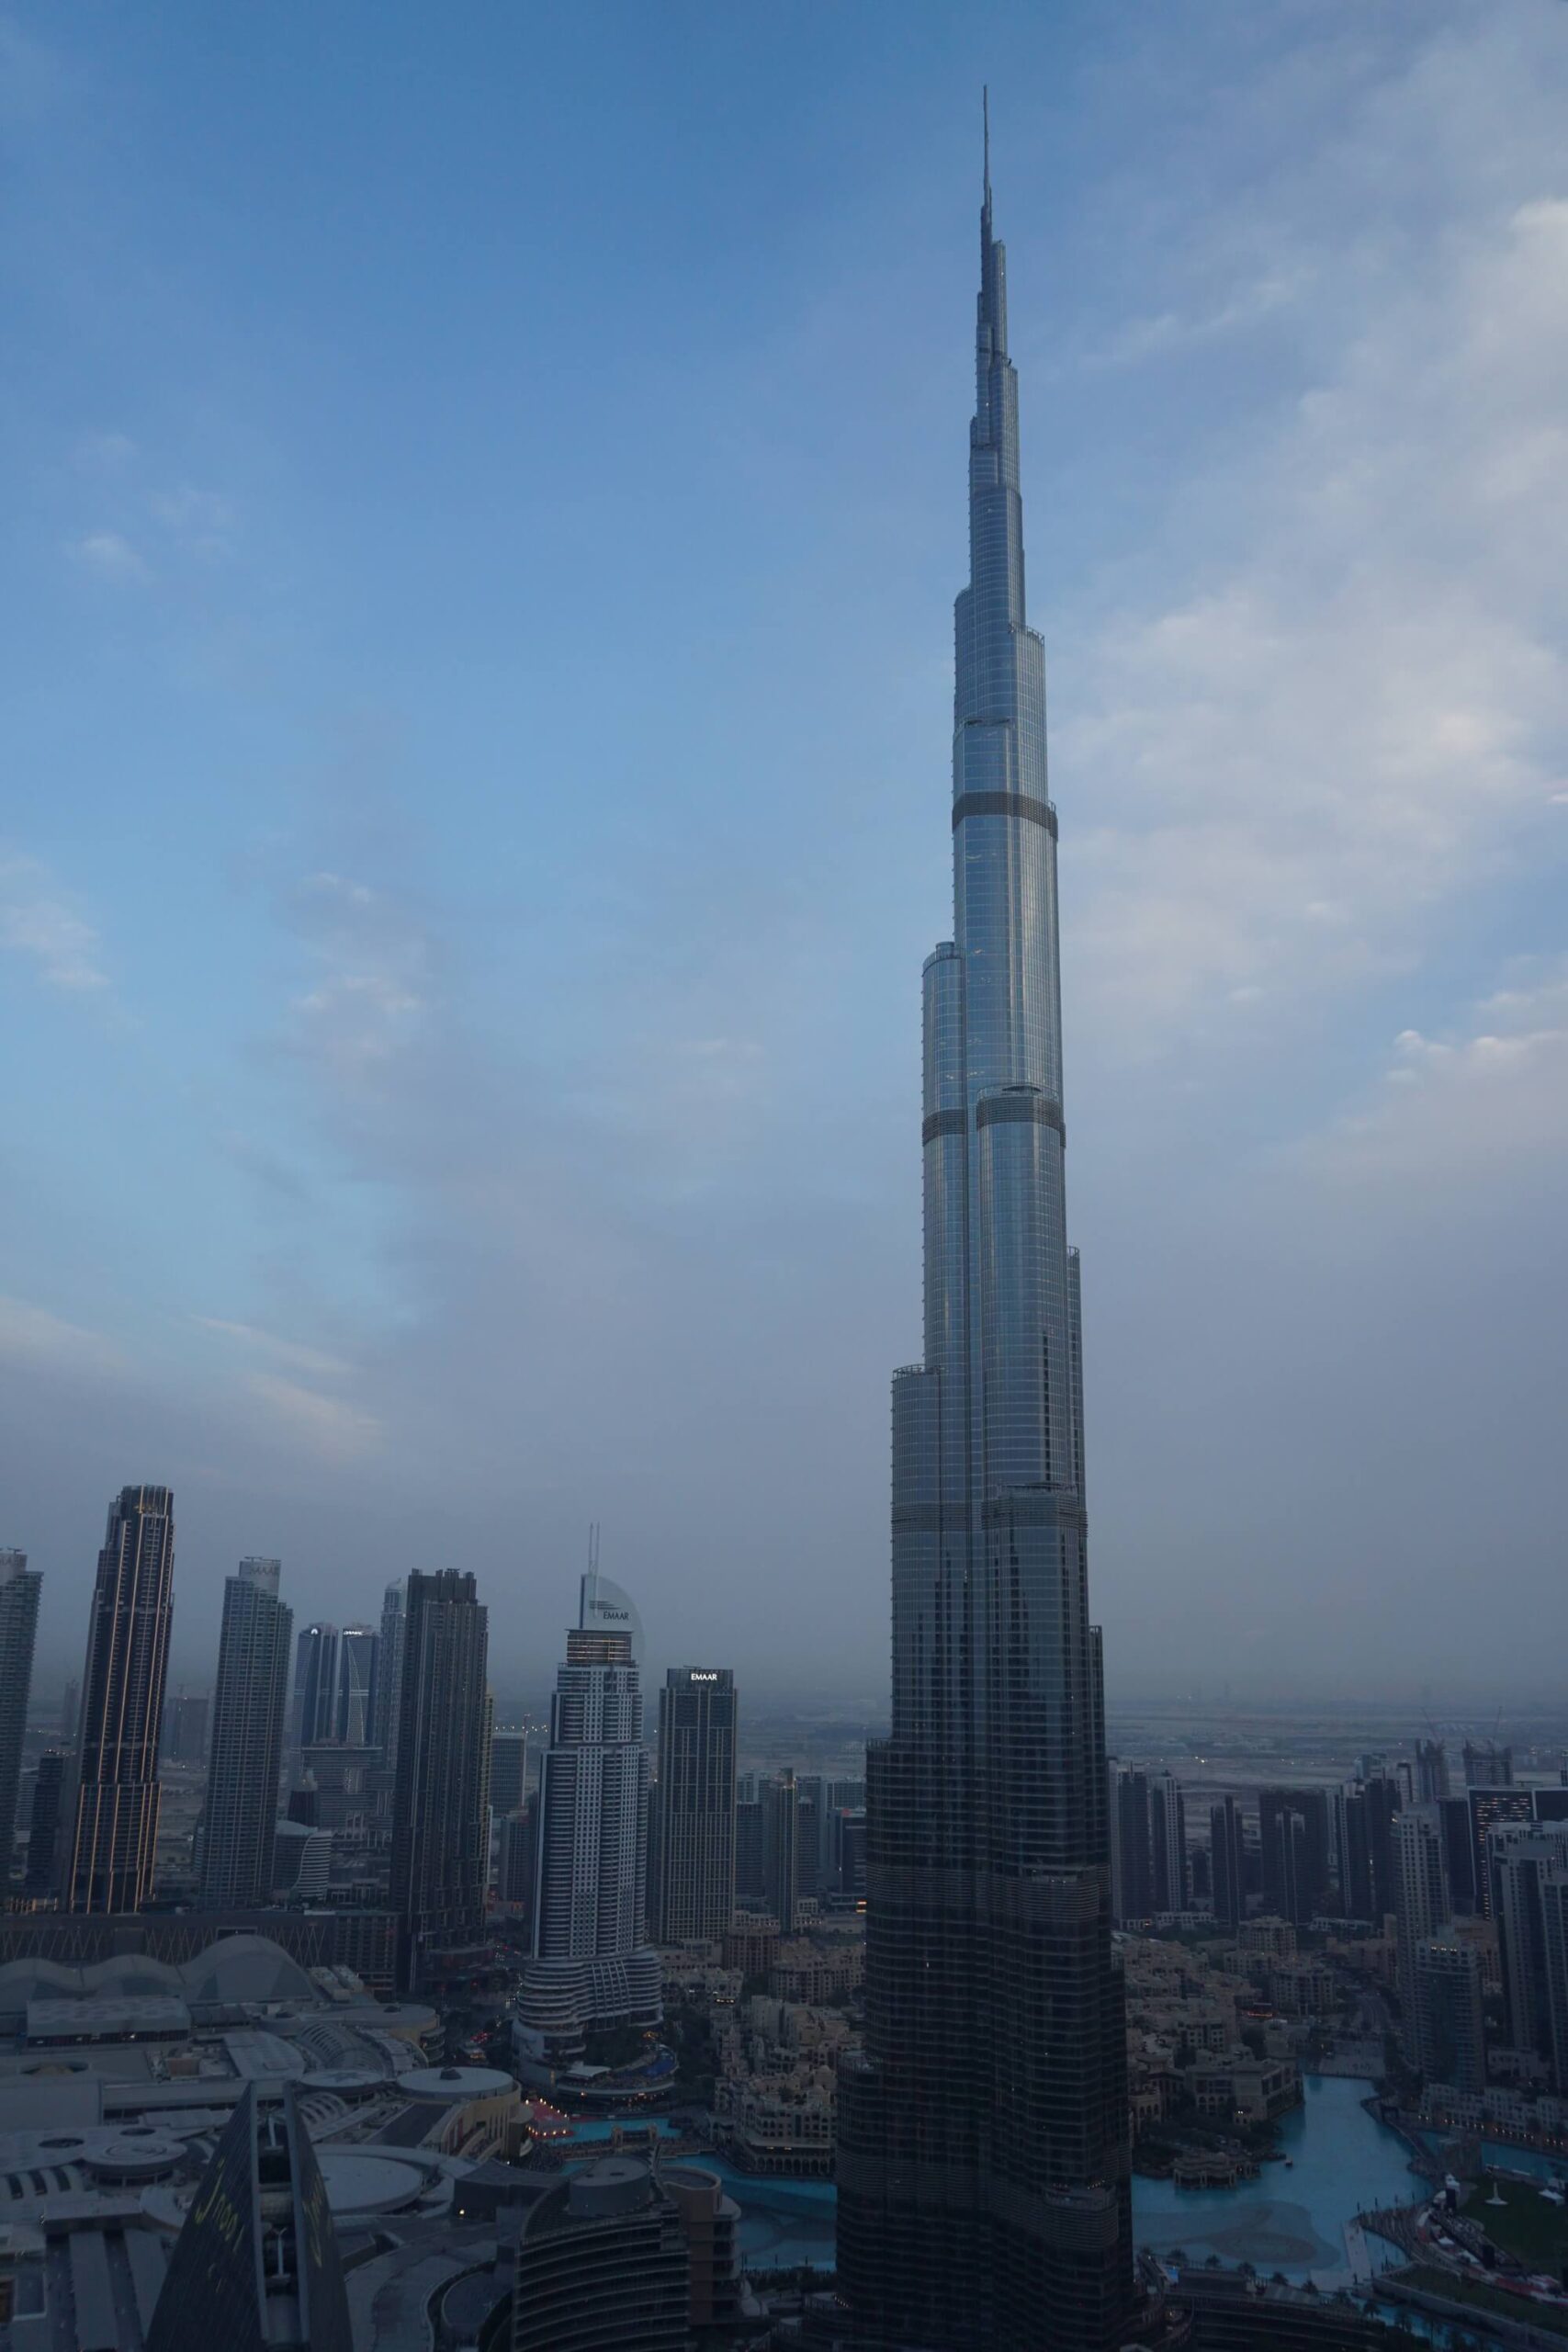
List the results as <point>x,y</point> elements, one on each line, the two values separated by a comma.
<point>484,496</point>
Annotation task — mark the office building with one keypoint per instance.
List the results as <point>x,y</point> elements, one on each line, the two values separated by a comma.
<point>602,2265</point>
<point>1421,1899</point>
<point>517,1863</point>
<point>1450,2038</point>
<point>257,2267</point>
<point>508,1769</point>
<point>593,1967</point>
<point>115,1817</point>
<point>694,1805</point>
<point>19,1589</point>
<point>983,2157</point>
<point>70,1715</point>
<point>1459,1854</point>
<point>1526,1862</point>
<point>441,1798</point>
<point>389,1670</point>
<point>316,1687</point>
<point>44,1826</point>
<point>356,1710</point>
<point>1292,1837</point>
<point>1227,1863</point>
<point>1431,1771</point>
<point>250,1703</point>
<point>1363,1813</point>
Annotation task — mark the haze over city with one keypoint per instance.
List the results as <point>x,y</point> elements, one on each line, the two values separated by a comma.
<point>486,502</point>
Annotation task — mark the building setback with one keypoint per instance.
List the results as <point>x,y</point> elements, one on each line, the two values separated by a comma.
<point>983,2153</point>
<point>241,1814</point>
<point>115,1817</point>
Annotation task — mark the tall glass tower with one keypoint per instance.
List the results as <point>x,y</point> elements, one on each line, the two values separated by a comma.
<point>115,1829</point>
<point>983,2168</point>
<point>247,1738</point>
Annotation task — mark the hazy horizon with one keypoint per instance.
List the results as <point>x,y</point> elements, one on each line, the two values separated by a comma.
<point>487,501</point>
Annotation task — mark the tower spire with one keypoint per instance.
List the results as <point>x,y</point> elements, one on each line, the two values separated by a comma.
<point>986,120</point>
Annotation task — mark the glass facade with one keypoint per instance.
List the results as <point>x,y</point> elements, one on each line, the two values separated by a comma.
<point>983,2162</point>
<point>115,1814</point>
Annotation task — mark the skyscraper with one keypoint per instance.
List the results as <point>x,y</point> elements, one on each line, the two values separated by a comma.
<point>593,1965</point>
<point>1293,1834</point>
<point>1449,2040</point>
<point>315,1685</point>
<point>354,1711</point>
<point>115,1823</point>
<point>1527,1867</point>
<point>19,1589</point>
<point>441,1800</point>
<point>1227,1863</point>
<point>983,2172</point>
<point>257,2265</point>
<point>1147,1821</point>
<point>695,1812</point>
<point>781,1848</point>
<point>1421,1898</point>
<point>390,1672</point>
<point>247,1737</point>
<point>43,1826</point>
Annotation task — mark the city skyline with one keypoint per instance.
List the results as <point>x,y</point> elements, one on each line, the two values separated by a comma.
<point>464,1022</point>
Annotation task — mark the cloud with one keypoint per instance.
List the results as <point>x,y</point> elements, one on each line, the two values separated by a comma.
<point>337,1432</point>
<point>1298,758</point>
<point>372,976</point>
<point>106,453</point>
<point>38,922</point>
<point>289,1352</point>
<point>201,523</point>
<point>34,1336</point>
<point>107,555</point>
<point>1472,1114</point>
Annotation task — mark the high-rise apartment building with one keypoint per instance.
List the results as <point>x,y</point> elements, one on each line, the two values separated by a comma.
<point>257,2267</point>
<point>983,2163</point>
<point>1493,1807</point>
<point>19,1589</point>
<point>1292,1837</point>
<point>115,1817</point>
<point>249,1706</point>
<point>1421,1898</point>
<point>356,1662</point>
<point>1527,1870</point>
<point>508,1771</point>
<point>1363,1813</point>
<point>70,1715</point>
<point>1227,1863</point>
<point>1449,2043</point>
<point>389,1671</point>
<point>781,1850</point>
<point>1431,1771</point>
<point>694,1805</point>
<point>315,1686</point>
<point>1147,1820</point>
<point>186,1718</point>
<point>44,1825</point>
<point>441,1798</point>
<point>593,1965</point>
<point>1487,1765</point>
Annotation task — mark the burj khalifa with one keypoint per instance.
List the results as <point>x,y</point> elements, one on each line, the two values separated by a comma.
<point>983,2163</point>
